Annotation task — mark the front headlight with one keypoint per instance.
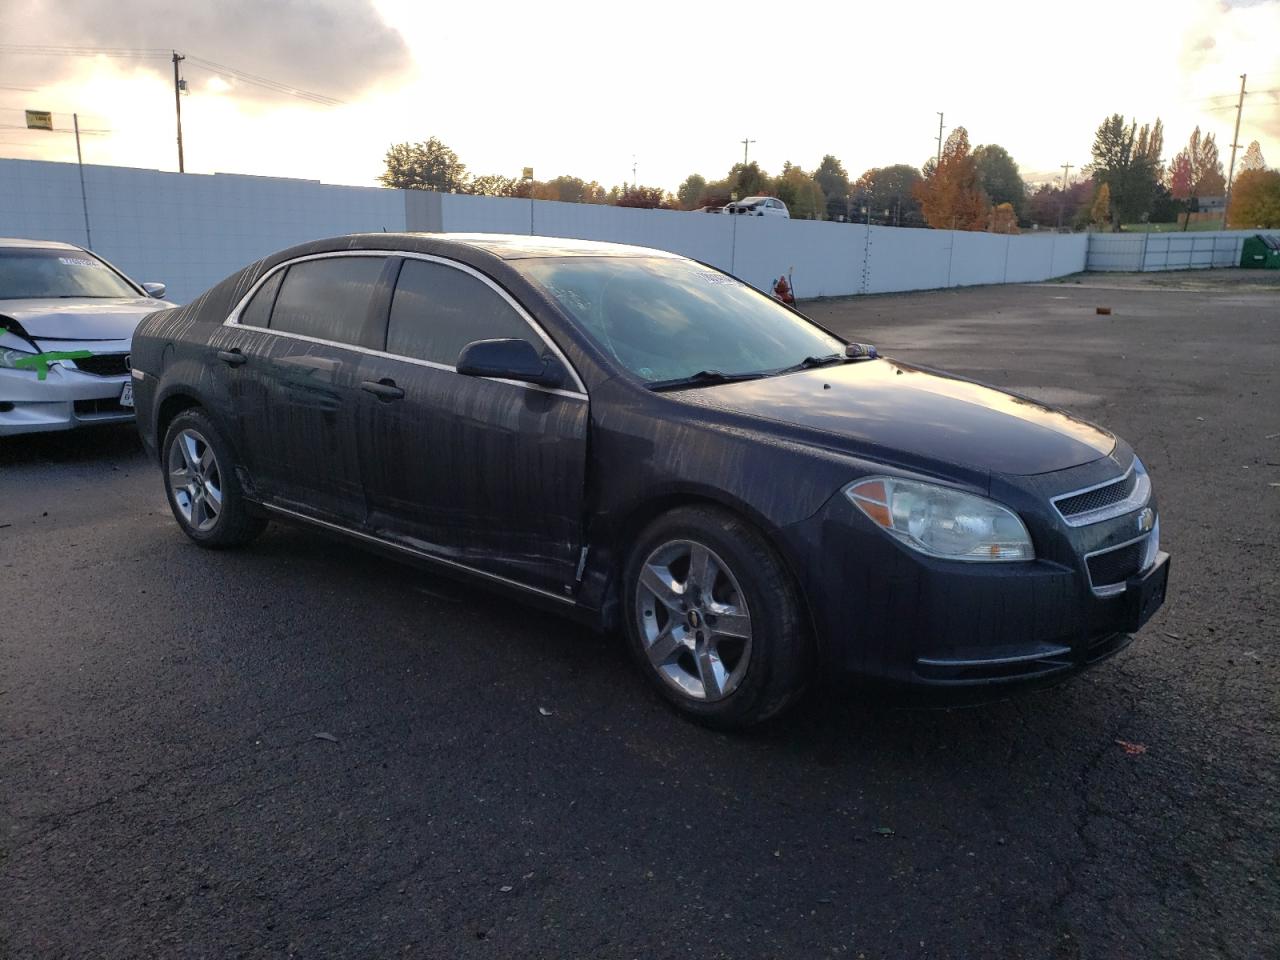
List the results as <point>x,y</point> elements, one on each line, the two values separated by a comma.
<point>942,522</point>
<point>9,358</point>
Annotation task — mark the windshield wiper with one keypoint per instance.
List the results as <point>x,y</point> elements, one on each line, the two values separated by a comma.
<point>703,378</point>
<point>808,363</point>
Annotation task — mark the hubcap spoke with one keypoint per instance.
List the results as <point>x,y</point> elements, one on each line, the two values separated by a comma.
<point>730,623</point>
<point>207,462</point>
<point>711,672</point>
<point>702,569</point>
<point>187,444</point>
<point>665,646</point>
<point>659,582</point>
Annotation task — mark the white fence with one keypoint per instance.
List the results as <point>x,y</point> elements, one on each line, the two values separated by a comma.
<point>1166,251</point>
<point>191,230</point>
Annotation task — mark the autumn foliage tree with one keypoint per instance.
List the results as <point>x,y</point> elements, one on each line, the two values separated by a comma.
<point>1252,159</point>
<point>1196,171</point>
<point>951,194</point>
<point>1255,200</point>
<point>1003,219</point>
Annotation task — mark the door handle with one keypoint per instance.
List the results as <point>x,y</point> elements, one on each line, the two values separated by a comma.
<point>384,389</point>
<point>233,358</point>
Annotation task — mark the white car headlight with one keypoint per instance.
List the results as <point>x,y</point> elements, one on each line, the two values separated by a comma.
<point>942,522</point>
<point>9,358</point>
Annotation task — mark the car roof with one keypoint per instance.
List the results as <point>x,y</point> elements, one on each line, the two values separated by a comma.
<point>516,246</point>
<point>37,244</point>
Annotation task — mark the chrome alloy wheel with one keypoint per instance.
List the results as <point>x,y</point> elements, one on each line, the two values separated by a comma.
<point>195,480</point>
<point>693,619</point>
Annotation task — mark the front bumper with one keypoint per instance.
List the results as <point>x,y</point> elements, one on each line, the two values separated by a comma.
<point>65,399</point>
<point>880,610</point>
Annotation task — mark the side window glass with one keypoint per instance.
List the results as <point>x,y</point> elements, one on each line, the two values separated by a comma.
<point>438,310</point>
<point>257,312</point>
<point>330,299</point>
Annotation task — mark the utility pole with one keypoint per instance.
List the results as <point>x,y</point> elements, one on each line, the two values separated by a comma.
<point>940,128</point>
<point>84,200</point>
<point>178,84</point>
<point>745,145</point>
<point>1062,202</point>
<point>634,181</point>
<point>1235,142</point>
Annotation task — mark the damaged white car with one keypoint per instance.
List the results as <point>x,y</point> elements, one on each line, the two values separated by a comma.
<point>66,322</point>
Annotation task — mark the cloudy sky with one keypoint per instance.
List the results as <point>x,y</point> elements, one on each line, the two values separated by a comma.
<point>589,89</point>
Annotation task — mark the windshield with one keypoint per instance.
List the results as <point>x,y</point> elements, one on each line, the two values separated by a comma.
<point>665,319</point>
<point>51,274</point>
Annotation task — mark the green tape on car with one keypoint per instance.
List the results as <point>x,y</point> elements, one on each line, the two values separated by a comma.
<point>40,361</point>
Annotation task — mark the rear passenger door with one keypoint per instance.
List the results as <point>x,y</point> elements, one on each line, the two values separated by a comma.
<point>486,473</point>
<point>299,384</point>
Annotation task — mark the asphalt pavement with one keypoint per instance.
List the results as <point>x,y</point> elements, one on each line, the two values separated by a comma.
<point>302,749</point>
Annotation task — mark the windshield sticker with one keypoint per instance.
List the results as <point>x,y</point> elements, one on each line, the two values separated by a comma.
<point>715,278</point>
<point>79,262</point>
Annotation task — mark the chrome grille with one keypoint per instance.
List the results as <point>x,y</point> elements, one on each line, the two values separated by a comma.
<point>1098,498</point>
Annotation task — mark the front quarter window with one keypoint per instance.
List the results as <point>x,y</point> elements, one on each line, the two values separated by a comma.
<point>664,318</point>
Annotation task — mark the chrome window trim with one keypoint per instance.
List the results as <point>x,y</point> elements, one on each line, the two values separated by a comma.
<point>1137,497</point>
<point>1148,558</point>
<point>420,554</point>
<point>233,318</point>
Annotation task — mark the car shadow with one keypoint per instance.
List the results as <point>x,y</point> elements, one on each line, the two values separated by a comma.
<point>71,446</point>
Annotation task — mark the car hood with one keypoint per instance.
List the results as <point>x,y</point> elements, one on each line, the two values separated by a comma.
<point>891,411</point>
<point>81,318</point>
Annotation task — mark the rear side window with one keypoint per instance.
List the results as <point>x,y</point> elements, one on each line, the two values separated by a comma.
<point>257,312</point>
<point>330,299</point>
<point>438,310</point>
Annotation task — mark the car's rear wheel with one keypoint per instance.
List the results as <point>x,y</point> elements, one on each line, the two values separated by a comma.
<point>200,479</point>
<point>714,618</point>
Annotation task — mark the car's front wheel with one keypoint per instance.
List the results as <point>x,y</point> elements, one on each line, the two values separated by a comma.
<point>715,619</point>
<point>200,479</point>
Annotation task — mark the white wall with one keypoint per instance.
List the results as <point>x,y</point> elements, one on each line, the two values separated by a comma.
<point>191,230</point>
<point>187,230</point>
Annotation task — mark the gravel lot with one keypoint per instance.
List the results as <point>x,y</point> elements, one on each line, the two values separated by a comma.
<point>164,793</point>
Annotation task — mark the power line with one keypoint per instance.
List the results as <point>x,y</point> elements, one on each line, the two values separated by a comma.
<point>150,53</point>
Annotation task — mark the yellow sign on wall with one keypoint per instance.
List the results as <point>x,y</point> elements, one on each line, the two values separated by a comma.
<point>39,120</point>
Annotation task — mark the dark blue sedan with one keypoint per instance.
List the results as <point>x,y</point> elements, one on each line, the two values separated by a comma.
<point>653,446</point>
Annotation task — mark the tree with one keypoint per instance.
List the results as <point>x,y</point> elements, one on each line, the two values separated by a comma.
<point>692,190</point>
<point>424,166</point>
<point>492,185</point>
<point>890,188</point>
<point>747,180</point>
<point>1252,159</point>
<point>1003,219</point>
<point>951,194</point>
<point>1196,172</point>
<point>1103,206</point>
<point>634,195</point>
<point>834,181</point>
<point>1052,206</point>
<point>1255,200</point>
<point>801,193</point>
<point>1127,160</point>
<point>1000,177</point>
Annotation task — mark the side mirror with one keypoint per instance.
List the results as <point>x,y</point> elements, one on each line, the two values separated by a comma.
<point>860,351</point>
<point>155,290</point>
<point>510,360</point>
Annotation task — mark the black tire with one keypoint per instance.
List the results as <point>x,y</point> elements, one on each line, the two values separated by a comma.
<point>778,659</point>
<point>233,524</point>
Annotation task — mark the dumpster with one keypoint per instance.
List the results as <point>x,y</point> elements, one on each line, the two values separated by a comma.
<point>1261,251</point>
